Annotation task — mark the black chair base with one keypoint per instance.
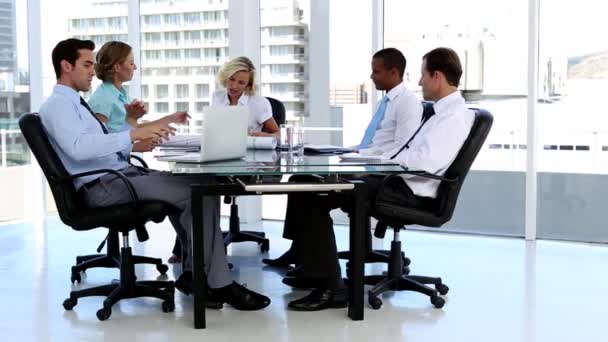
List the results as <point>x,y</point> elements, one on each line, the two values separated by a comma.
<point>234,234</point>
<point>396,280</point>
<point>375,256</point>
<point>125,289</point>
<point>248,236</point>
<point>111,260</point>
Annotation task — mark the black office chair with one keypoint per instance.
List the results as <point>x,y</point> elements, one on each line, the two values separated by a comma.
<point>396,216</point>
<point>234,234</point>
<point>383,256</point>
<point>121,218</point>
<point>112,257</point>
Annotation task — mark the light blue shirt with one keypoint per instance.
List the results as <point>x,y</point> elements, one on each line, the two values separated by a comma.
<point>110,102</point>
<point>77,137</point>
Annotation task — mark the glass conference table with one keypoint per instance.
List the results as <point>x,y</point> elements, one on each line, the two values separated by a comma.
<point>249,176</point>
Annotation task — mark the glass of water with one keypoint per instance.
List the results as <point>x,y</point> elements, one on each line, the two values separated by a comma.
<point>297,140</point>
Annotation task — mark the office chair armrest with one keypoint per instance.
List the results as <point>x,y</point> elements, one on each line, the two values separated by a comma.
<point>420,174</point>
<point>130,188</point>
<point>140,160</point>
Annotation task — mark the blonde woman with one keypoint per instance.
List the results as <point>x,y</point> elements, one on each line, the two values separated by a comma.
<point>237,77</point>
<point>110,101</point>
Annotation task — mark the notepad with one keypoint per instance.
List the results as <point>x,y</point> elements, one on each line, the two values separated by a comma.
<point>326,149</point>
<point>357,157</point>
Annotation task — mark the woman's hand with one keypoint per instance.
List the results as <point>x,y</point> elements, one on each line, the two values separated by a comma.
<point>177,117</point>
<point>135,109</point>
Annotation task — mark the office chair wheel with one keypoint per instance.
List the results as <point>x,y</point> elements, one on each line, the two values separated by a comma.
<point>265,246</point>
<point>162,268</point>
<point>437,301</point>
<point>70,303</point>
<point>442,289</point>
<point>76,277</point>
<point>230,266</point>
<point>374,302</point>
<point>104,313</point>
<point>168,306</point>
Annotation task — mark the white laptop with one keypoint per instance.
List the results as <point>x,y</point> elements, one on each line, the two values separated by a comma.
<point>224,135</point>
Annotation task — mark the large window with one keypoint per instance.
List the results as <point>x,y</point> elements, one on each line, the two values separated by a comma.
<point>493,51</point>
<point>190,42</point>
<point>573,134</point>
<point>285,25</point>
<point>14,101</point>
<point>350,86</point>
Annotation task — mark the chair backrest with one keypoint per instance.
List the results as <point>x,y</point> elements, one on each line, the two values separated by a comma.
<point>68,202</point>
<point>278,110</point>
<point>447,193</point>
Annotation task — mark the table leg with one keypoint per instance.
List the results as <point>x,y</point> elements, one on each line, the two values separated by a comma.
<point>199,281</point>
<point>357,253</point>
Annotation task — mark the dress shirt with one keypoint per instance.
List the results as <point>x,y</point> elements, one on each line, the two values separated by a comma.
<point>401,119</point>
<point>436,145</point>
<point>259,107</point>
<point>110,102</point>
<point>77,137</point>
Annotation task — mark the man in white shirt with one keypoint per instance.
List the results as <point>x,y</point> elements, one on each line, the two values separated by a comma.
<point>398,113</point>
<point>396,118</point>
<point>432,148</point>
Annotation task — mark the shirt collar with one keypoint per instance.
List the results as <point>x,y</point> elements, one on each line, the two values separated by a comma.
<point>67,91</point>
<point>115,92</point>
<point>243,100</point>
<point>395,91</point>
<point>448,101</point>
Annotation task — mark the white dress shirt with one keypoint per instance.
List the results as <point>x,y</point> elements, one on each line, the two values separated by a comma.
<point>259,107</point>
<point>401,119</point>
<point>436,145</point>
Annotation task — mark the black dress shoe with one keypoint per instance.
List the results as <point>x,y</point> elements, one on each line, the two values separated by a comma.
<point>184,285</point>
<point>285,260</point>
<point>304,282</point>
<point>298,271</point>
<point>320,299</point>
<point>240,297</point>
<point>174,259</point>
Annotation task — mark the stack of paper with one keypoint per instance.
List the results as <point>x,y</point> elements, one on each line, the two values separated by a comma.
<point>183,140</point>
<point>261,143</point>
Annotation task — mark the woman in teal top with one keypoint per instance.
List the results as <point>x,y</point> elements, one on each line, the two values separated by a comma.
<point>110,101</point>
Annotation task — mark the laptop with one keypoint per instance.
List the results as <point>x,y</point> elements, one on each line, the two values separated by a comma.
<point>224,135</point>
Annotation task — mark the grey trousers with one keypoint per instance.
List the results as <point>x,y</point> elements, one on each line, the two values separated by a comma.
<point>175,190</point>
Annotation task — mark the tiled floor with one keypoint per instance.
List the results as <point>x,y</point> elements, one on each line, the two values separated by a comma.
<point>500,290</point>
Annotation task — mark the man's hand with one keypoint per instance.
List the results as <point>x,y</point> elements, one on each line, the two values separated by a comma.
<point>154,130</point>
<point>135,109</point>
<point>177,117</point>
<point>146,145</point>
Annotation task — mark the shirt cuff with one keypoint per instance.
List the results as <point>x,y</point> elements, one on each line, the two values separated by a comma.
<point>124,139</point>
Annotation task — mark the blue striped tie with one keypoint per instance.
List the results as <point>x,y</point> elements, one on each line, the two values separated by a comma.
<point>373,125</point>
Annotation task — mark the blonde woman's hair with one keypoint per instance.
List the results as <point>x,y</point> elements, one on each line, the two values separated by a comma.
<point>234,66</point>
<point>110,54</point>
